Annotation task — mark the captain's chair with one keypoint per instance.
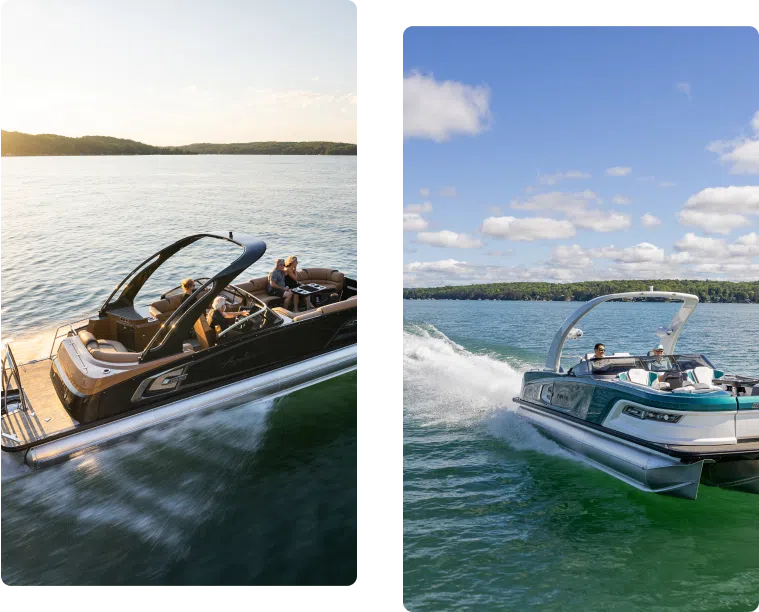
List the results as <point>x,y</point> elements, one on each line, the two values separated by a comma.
<point>205,334</point>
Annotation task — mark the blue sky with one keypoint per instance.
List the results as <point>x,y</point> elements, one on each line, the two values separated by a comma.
<point>171,72</point>
<point>566,154</point>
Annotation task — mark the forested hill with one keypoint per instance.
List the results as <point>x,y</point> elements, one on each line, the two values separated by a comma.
<point>20,144</point>
<point>706,290</point>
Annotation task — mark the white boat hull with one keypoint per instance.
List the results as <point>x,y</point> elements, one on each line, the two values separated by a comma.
<point>641,467</point>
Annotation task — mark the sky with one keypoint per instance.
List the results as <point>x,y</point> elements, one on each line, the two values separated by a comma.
<point>570,154</point>
<point>178,72</point>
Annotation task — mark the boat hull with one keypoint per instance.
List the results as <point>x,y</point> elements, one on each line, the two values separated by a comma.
<point>268,385</point>
<point>643,468</point>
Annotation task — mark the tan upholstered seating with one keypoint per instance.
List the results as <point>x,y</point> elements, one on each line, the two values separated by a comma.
<point>205,334</point>
<point>162,309</point>
<point>101,346</point>
<point>323,276</point>
<point>329,308</point>
<point>257,286</point>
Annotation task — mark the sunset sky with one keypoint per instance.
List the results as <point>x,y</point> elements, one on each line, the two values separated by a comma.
<point>172,73</point>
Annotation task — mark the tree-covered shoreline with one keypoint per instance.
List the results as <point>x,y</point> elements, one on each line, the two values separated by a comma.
<point>18,144</point>
<point>706,290</point>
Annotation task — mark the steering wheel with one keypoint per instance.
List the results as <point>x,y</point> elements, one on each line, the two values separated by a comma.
<point>241,321</point>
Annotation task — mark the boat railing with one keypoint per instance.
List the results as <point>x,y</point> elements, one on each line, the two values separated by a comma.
<point>12,383</point>
<point>60,335</point>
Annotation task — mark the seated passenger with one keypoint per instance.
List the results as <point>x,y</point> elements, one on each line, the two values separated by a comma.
<point>291,280</point>
<point>188,286</point>
<point>276,284</point>
<point>599,350</point>
<point>218,318</point>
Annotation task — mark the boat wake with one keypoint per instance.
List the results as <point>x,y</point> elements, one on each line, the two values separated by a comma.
<point>445,385</point>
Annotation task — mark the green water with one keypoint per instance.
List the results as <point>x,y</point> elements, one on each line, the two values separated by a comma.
<point>496,517</point>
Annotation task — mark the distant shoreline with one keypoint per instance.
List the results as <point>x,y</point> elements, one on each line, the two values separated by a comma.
<point>18,144</point>
<point>708,291</point>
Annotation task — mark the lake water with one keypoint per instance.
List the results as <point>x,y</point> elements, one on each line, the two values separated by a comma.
<point>497,517</point>
<point>261,494</point>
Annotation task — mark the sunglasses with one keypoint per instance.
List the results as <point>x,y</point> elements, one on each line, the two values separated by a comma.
<point>601,350</point>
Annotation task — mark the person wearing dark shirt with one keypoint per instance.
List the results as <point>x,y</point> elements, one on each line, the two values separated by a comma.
<point>219,319</point>
<point>188,286</point>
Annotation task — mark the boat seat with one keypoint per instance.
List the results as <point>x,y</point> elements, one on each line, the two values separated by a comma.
<point>204,333</point>
<point>328,277</point>
<point>257,287</point>
<point>102,346</point>
<point>640,376</point>
<point>162,309</point>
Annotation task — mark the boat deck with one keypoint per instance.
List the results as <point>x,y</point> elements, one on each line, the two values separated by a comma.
<point>46,416</point>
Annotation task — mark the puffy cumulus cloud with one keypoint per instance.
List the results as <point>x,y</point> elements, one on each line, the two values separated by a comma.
<point>712,222</point>
<point>446,238</point>
<point>573,256</point>
<point>414,222</point>
<point>436,110</point>
<point>448,192</point>
<point>645,252</point>
<point>528,229</point>
<point>552,179</point>
<point>701,245</point>
<point>741,154</point>
<point>601,221</point>
<point>557,200</point>
<point>418,208</point>
<point>747,245</point>
<point>454,272</point>
<point>575,206</point>
<point>649,220</point>
<point>620,200</point>
<point>618,171</point>
<point>719,210</point>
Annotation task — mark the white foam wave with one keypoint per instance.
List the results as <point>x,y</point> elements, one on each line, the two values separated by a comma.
<point>446,385</point>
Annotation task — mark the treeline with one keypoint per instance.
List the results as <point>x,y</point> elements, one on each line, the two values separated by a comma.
<point>272,148</point>
<point>20,144</point>
<point>707,291</point>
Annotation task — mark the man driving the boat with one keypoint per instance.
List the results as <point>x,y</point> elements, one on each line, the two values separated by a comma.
<point>219,318</point>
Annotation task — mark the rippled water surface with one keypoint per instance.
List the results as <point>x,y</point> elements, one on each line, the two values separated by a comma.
<point>496,517</point>
<point>261,494</point>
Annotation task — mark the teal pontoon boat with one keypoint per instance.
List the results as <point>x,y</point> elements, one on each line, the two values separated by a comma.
<point>661,423</point>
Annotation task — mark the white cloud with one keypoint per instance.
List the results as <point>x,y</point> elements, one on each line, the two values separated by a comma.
<point>620,200</point>
<point>742,154</point>
<point>700,245</point>
<point>552,179</point>
<point>418,208</point>
<point>448,192</point>
<point>533,228</point>
<point>719,210</point>
<point>618,171</point>
<point>712,222</point>
<point>645,252</point>
<point>648,220</point>
<point>601,221</point>
<point>747,245</point>
<point>437,110</point>
<point>413,222</point>
<point>684,88</point>
<point>446,238</point>
<point>571,256</point>
<point>557,200</point>
<point>424,192</point>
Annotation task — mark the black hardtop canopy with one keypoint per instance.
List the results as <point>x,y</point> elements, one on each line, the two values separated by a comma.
<point>170,338</point>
